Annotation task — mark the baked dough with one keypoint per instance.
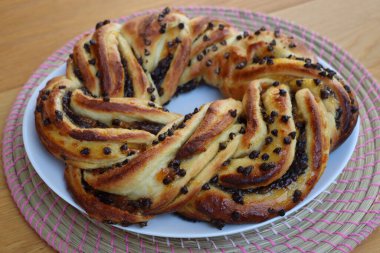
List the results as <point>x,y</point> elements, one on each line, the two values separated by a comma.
<point>243,159</point>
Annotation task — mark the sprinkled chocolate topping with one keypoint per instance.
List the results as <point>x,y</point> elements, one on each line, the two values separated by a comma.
<point>107,150</point>
<point>85,151</point>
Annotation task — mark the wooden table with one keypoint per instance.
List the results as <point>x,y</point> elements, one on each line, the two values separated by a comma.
<point>32,30</point>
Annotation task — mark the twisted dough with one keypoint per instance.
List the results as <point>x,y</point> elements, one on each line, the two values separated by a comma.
<point>243,159</point>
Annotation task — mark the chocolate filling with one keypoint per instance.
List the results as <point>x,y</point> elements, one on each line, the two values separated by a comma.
<point>118,201</point>
<point>148,126</point>
<point>78,120</point>
<point>159,73</point>
<point>296,169</point>
<point>128,84</point>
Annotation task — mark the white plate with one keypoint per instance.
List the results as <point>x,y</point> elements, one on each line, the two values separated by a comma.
<point>167,225</point>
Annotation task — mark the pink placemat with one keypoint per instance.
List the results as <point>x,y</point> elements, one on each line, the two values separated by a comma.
<point>337,220</point>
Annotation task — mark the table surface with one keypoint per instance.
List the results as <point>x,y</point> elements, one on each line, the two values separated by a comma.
<point>32,30</point>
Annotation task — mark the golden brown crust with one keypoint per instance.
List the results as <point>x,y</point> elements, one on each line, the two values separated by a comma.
<point>230,161</point>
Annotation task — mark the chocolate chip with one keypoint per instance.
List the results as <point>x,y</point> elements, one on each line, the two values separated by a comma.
<point>214,179</point>
<point>151,104</point>
<point>221,27</point>
<point>184,190</point>
<point>155,142</point>
<point>152,98</point>
<point>235,215</point>
<point>98,75</point>
<point>354,109</point>
<point>206,38</point>
<point>238,197</point>
<point>254,154</point>
<point>324,93</point>
<point>287,140</point>
<point>107,150</point>
<point>175,164</point>
<point>242,130</point>
<point>167,180</point>
<point>267,166</point>
<point>274,113</point>
<point>87,47</point>
<point>46,122</point>
<point>219,224</point>
<point>177,40</point>
<point>233,113</point>
<point>226,55</point>
<point>239,37</point>
<point>271,210</point>
<point>124,147</point>
<point>147,42</point>
<point>222,146</point>
<point>223,42</point>
<point>299,83</point>
<point>226,162</point>
<point>214,48</point>
<point>255,59</point>
<point>297,196</point>
<point>281,212</point>
<point>274,132</point>
<point>181,172</point>
<point>268,140</point>
<point>195,110</point>
<point>292,45</point>
<point>170,44</point>
<point>58,115</point>
<point>293,134</point>
<point>150,90</point>
<point>116,122</point>
<point>265,156</point>
<point>208,63</point>
<point>282,92</point>
<point>269,61</point>
<point>170,132</point>
<point>163,28</point>
<point>276,83</point>
<point>285,118</point>
<point>85,151</point>
<point>347,88</point>
<point>240,169</point>
<point>146,52</point>
<point>277,150</point>
<point>161,137</point>
<point>199,57</point>
<point>181,26</point>
<point>231,136</point>
<point>206,187</point>
<point>245,34</point>
<point>317,81</point>
<point>241,65</point>
<point>247,170</point>
<point>106,99</point>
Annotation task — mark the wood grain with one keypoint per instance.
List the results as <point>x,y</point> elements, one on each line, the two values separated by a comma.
<point>32,30</point>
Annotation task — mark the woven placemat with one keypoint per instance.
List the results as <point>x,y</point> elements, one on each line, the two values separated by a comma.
<point>337,220</point>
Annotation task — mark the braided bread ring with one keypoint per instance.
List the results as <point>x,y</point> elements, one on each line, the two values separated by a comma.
<point>243,159</point>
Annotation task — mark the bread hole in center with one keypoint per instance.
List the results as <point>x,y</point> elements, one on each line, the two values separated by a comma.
<point>186,102</point>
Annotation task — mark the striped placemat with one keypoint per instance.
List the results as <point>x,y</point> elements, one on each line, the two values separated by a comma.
<point>337,220</point>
